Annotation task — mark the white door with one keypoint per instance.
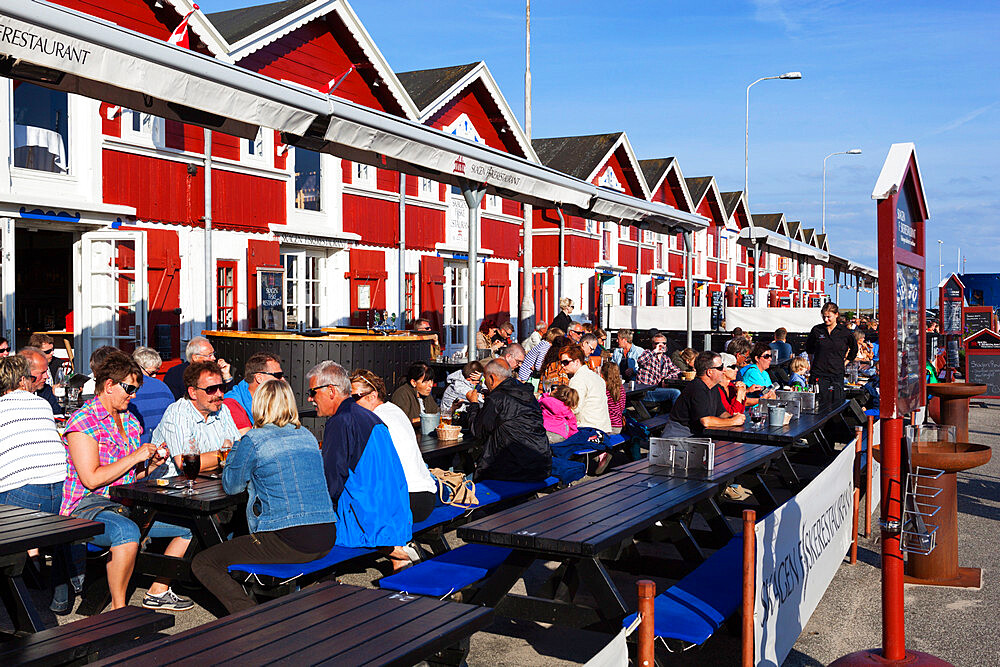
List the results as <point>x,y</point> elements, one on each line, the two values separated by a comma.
<point>456,306</point>
<point>7,279</point>
<point>114,291</point>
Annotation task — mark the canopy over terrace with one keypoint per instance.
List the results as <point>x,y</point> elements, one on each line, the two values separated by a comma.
<point>760,237</point>
<point>66,50</point>
<point>863,276</point>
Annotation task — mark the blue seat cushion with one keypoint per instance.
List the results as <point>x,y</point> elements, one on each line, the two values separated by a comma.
<point>694,608</point>
<point>488,491</point>
<point>287,571</point>
<point>451,571</point>
<point>872,413</point>
<point>610,440</point>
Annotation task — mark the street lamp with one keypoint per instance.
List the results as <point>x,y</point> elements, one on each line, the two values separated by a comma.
<point>853,151</point>
<point>940,263</point>
<point>746,145</point>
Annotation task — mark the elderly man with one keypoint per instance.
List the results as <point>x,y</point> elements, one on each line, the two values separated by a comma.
<point>363,472</point>
<point>153,397</point>
<point>653,367</point>
<point>46,344</point>
<point>700,404</point>
<point>515,446</point>
<point>513,354</point>
<point>534,338</point>
<point>259,368</point>
<point>199,418</point>
<point>39,375</point>
<point>198,349</point>
<point>626,355</point>
<point>575,332</point>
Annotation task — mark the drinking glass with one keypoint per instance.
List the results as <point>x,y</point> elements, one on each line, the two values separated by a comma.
<point>191,464</point>
<point>757,416</point>
<point>227,445</point>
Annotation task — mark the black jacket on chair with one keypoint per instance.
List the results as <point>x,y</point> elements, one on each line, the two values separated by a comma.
<point>515,446</point>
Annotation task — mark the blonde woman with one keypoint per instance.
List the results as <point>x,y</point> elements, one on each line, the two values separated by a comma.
<point>563,319</point>
<point>289,511</point>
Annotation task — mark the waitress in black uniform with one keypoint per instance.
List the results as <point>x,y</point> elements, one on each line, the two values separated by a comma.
<point>831,345</point>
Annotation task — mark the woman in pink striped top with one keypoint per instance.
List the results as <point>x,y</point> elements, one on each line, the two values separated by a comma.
<point>616,395</point>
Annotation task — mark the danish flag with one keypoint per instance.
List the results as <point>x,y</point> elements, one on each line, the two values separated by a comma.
<point>180,35</point>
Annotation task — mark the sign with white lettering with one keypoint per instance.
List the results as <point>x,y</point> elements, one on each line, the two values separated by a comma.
<point>800,546</point>
<point>906,232</point>
<point>910,367</point>
<point>271,298</point>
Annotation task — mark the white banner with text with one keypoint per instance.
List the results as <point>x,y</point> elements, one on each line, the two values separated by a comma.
<point>799,548</point>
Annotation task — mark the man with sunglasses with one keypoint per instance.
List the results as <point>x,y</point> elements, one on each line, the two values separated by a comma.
<point>259,368</point>
<point>700,404</point>
<point>198,348</point>
<point>200,417</point>
<point>653,367</point>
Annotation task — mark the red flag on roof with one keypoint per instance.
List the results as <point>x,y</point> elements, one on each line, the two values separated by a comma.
<point>180,35</point>
<point>332,84</point>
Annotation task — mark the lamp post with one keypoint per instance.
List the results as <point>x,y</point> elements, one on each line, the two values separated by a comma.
<point>853,151</point>
<point>746,144</point>
<point>940,265</point>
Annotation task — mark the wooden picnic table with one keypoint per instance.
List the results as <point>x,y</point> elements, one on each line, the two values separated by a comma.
<point>580,527</point>
<point>635,392</point>
<point>23,529</point>
<point>328,623</point>
<point>433,449</point>
<point>807,426</point>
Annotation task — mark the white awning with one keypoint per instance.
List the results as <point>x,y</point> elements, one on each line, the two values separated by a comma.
<point>780,243</point>
<point>653,215</point>
<point>63,49</point>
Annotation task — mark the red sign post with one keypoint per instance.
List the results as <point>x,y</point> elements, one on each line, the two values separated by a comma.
<point>902,213</point>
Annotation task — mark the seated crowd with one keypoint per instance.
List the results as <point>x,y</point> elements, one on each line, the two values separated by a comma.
<point>532,407</point>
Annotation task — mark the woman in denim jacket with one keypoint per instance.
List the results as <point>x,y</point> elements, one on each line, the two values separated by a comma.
<point>289,510</point>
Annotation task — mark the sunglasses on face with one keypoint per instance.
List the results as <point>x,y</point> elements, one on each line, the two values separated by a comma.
<point>277,376</point>
<point>4,349</point>
<point>129,389</point>
<point>715,368</point>
<point>565,362</point>
<point>358,397</point>
<point>212,389</point>
<point>732,366</point>
<point>313,390</point>
<point>49,351</point>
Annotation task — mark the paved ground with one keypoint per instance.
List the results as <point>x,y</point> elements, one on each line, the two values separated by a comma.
<point>961,626</point>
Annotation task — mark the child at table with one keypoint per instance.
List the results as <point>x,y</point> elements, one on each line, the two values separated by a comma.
<point>616,395</point>
<point>800,372</point>
<point>557,413</point>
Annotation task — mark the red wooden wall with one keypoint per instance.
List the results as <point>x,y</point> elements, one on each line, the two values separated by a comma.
<point>160,190</point>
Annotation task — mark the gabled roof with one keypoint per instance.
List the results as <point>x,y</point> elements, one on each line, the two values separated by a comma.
<point>732,201</point>
<point>774,222</point>
<point>894,171</point>
<point>585,156</point>
<point>236,24</point>
<point>821,242</point>
<point>656,171</point>
<point>794,230</point>
<point>698,187</point>
<point>427,85</point>
<point>809,235</point>
<point>252,28</point>
<point>432,89</point>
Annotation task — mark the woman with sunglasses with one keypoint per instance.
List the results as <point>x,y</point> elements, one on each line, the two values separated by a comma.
<point>259,368</point>
<point>4,347</point>
<point>754,374</point>
<point>104,451</point>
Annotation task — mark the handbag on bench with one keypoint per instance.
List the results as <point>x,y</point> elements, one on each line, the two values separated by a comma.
<point>454,489</point>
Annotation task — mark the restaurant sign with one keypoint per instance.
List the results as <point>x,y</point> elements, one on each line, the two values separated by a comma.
<point>906,231</point>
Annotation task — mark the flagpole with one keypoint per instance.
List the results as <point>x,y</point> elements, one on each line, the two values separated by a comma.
<point>527,314</point>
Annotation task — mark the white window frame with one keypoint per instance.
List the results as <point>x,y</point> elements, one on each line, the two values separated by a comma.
<point>363,175</point>
<point>456,300</point>
<point>427,188</point>
<point>293,166</point>
<point>591,226</point>
<point>152,129</point>
<point>494,204</point>
<point>296,281</point>
<point>259,155</point>
<point>68,173</point>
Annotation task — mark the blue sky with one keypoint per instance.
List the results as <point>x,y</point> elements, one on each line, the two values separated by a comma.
<point>673,75</point>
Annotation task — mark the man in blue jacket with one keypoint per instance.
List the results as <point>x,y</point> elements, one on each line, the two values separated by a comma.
<point>363,471</point>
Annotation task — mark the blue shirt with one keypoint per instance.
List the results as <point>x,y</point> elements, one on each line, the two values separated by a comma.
<point>781,350</point>
<point>149,404</point>
<point>282,470</point>
<point>182,422</point>
<point>631,359</point>
<point>751,375</point>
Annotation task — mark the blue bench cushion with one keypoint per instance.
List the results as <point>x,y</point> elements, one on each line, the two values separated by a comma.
<point>287,572</point>
<point>451,571</point>
<point>488,491</point>
<point>610,440</point>
<point>694,608</point>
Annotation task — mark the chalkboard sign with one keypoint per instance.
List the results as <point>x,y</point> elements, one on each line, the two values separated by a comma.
<point>982,362</point>
<point>748,300</point>
<point>976,319</point>
<point>951,317</point>
<point>717,310</point>
<point>680,293</point>
<point>629,294</point>
<point>784,301</point>
<point>271,298</point>
<point>815,302</point>
<point>908,305</point>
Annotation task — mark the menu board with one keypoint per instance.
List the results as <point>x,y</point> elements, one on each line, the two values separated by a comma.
<point>784,301</point>
<point>748,300</point>
<point>718,310</point>
<point>951,317</point>
<point>977,320</point>
<point>982,362</point>
<point>680,293</point>
<point>908,304</point>
<point>270,299</point>
<point>906,231</point>
<point>629,294</point>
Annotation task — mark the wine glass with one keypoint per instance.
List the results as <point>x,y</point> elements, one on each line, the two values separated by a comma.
<point>191,464</point>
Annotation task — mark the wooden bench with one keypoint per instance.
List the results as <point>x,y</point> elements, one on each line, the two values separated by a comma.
<point>83,640</point>
<point>453,571</point>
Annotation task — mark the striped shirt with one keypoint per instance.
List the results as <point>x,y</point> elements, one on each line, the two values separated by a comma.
<point>95,420</point>
<point>30,449</point>
<point>616,410</point>
<point>533,360</point>
<point>182,422</point>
